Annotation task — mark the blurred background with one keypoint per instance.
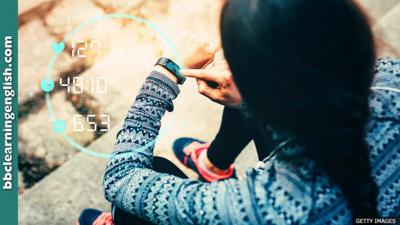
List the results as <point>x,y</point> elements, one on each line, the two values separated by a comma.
<point>56,180</point>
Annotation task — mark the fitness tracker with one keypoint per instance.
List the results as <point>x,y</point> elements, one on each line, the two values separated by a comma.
<point>172,67</point>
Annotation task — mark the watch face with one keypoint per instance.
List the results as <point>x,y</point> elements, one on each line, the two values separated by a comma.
<point>172,66</point>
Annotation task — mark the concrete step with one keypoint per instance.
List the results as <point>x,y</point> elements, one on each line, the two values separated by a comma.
<point>378,8</point>
<point>387,31</point>
<point>59,197</point>
<point>25,5</point>
<point>78,183</point>
<point>34,47</point>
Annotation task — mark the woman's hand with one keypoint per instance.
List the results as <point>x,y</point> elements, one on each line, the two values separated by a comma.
<point>226,92</point>
<point>194,52</point>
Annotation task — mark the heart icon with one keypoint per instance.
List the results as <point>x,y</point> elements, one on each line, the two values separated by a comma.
<point>58,47</point>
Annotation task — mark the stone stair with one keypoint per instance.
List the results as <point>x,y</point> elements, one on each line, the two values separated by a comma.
<point>388,31</point>
<point>378,9</point>
<point>77,184</point>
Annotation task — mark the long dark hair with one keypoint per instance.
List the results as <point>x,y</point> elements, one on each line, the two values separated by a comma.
<point>306,66</point>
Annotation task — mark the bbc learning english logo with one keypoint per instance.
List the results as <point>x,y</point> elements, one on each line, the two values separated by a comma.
<point>9,115</point>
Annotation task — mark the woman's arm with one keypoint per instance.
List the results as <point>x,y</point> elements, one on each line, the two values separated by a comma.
<point>132,185</point>
<point>136,139</point>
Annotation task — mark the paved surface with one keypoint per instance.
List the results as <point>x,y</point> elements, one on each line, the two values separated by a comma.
<point>128,51</point>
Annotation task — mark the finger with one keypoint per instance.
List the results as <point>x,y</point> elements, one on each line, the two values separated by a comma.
<point>209,64</point>
<point>209,83</point>
<point>204,74</point>
<point>207,91</point>
<point>220,54</point>
<point>214,47</point>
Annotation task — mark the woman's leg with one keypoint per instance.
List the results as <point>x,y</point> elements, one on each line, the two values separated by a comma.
<point>262,139</point>
<point>235,132</point>
<point>162,165</point>
<point>214,161</point>
<point>232,137</point>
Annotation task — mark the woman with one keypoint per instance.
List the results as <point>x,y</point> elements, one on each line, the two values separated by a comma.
<point>305,70</point>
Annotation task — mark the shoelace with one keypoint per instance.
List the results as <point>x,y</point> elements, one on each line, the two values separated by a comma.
<point>104,219</point>
<point>203,172</point>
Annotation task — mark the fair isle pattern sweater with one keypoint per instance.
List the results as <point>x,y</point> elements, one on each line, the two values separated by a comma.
<point>276,193</point>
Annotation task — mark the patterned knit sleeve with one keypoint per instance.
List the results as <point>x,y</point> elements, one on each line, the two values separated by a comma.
<point>136,140</point>
<point>132,185</point>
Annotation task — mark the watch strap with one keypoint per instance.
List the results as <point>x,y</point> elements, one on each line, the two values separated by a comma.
<point>172,67</point>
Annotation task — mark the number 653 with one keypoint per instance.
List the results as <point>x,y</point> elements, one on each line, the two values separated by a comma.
<point>103,125</point>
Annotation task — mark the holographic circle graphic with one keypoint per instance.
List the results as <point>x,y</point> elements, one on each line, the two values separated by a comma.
<point>47,85</point>
<point>59,126</point>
